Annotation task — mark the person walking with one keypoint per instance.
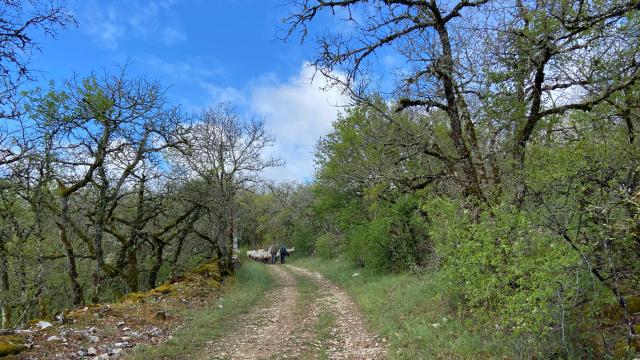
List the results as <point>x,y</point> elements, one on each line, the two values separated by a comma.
<point>283,252</point>
<point>274,251</point>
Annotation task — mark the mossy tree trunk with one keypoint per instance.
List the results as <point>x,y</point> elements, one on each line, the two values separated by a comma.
<point>5,309</point>
<point>77,296</point>
<point>157,264</point>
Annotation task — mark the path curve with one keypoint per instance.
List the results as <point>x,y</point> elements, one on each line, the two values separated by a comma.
<point>277,329</point>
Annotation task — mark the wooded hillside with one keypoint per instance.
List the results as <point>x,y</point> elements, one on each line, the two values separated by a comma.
<point>501,158</point>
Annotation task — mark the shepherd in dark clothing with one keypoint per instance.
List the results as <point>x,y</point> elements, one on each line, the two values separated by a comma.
<point>283,253</point>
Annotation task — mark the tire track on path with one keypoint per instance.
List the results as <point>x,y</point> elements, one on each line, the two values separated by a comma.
<point>350,338</point>
<point>283,326</point>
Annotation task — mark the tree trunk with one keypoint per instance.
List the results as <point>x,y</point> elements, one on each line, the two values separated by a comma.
<point>77,296</point>
<point>153,274</point>
<point>445,71</point>
<point>176,256</point>
<point>132,269</point>
<point>101,209</point>
<point>5,309</point>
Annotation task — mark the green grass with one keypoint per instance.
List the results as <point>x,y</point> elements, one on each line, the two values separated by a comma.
<point>308,291</point>
<point>241,294</point>
<point>414,313</point>
<point>326,322</point>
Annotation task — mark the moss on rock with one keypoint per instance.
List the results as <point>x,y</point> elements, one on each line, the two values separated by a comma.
<point>163,289</point>
<point>210,269</point>
<point>142,296</point>
<point>11,345</point>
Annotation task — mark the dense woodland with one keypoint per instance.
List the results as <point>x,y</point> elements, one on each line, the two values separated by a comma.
<point>501,158</point>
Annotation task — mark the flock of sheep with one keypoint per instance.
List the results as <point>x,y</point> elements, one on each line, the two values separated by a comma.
<point>264,256</point>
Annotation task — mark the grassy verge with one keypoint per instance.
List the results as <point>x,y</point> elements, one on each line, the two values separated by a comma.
<point>241,293</point>
<point>414,314</point>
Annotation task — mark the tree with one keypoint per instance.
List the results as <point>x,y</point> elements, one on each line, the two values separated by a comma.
<point>18,21</point>
<point>100,131</point>
<point>226,152</point>
<point>446,71</point>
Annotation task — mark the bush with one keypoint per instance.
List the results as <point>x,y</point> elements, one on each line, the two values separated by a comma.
<point>327,246</point>
<point>303,239</point>
<point>502,263</point>
<point>394,239</point>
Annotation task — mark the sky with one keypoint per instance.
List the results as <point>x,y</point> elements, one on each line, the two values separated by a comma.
<point>204,52</point>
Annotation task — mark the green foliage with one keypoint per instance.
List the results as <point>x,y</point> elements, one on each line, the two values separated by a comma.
<point>501,262</point>
<point>393,239</point>
<point>302,238</point>
<point>326,246</point>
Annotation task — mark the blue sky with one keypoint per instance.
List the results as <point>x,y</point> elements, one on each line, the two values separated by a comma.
<point>206,51</point>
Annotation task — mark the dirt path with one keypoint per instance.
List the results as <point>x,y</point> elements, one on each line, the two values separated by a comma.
<point>350,338</point>
<point>299,322</point>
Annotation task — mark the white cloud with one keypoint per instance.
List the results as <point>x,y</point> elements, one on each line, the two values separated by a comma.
<point>194,68</point>
<point>139,19</point>
<point>298,113</point>
<point>104,25</point>
<point>224,94</point>
<point>172,35</point>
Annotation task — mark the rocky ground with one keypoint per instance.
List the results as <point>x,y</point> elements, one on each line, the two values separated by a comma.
<point>107,331</point>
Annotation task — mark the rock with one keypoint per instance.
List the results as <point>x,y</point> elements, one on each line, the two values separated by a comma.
<point>120,323</point>
<point>126,328</point>
<point>134,334</point>
<point>11,345</point>
<point>155,331</point>
<point>53,338</point>
<point>355,274</point>
<point>94,339</point>
<point>115,351</point>
<point>160,315</point>
<point>92,351</point>
<point>103,356</point>
<point>60,318</point>
<point>43,324</point>
<point>121,344</point>
<point>81,353</point>
<point>93,330</point>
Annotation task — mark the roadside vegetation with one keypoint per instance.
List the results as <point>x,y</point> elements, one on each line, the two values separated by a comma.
<point>240,293</point>
<point>416,315</point>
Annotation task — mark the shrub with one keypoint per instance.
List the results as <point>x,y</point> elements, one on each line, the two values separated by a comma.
<point>502,263</point>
